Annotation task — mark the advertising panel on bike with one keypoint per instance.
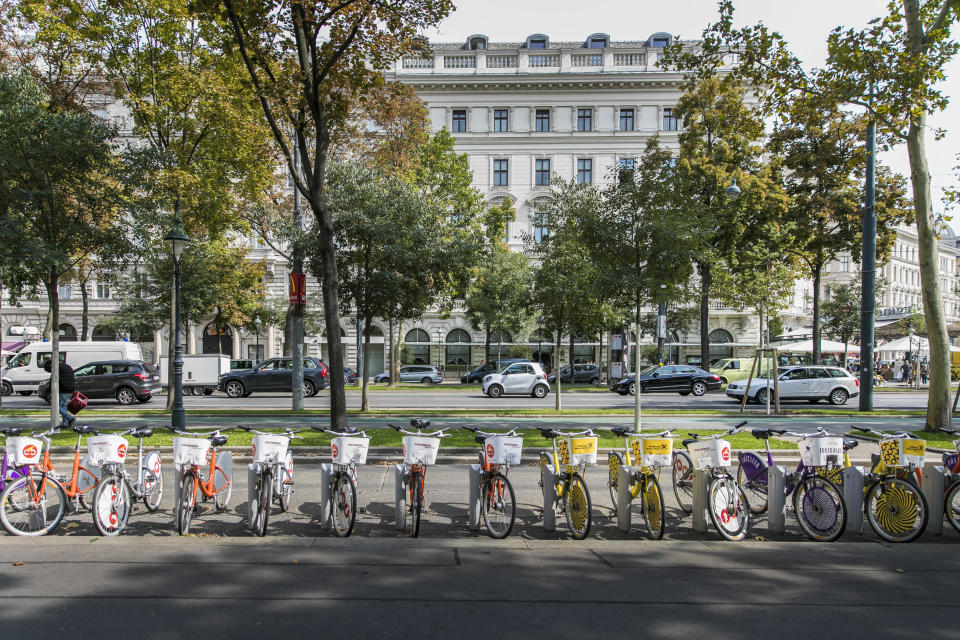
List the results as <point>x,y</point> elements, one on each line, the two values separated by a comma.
<point>24,450</point>
<point>503,449</point>
<point>349,450</point>
<point>191,451</point>
<point>902,452</point>
<point>821,451</point>
<point>420,450</point>
<point>109,449</point>
<point>652,452</point>
<point>269,448</point>
<point>576,451</point>
<point>708,454</point>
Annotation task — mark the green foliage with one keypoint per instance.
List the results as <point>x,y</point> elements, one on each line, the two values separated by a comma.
<point>499,298</point>
<point>841,312</point>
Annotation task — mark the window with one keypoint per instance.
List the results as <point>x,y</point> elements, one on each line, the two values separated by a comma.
<point>626,119</point>
<point>537,43</point>
<point>659,42</point>
<point>500,171</point>
<point>584,171</point>
<point>542,173</point>
<point>627,163</point>
<point>459,120</point>
<point>669,120</point>
<point>64,291</point>
<point>540,230</point>
<point>844,263</point>
<point>478,43</point>
<point>419,353</point>
<point>598,43</point>
<point>584,119</point>
<point>543,119</point>
<point>500,122</point>
<point>103,290</point>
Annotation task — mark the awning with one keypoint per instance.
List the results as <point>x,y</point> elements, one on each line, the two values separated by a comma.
<point>826,346</point>
<point>915,343</point>
<point>14,346</point>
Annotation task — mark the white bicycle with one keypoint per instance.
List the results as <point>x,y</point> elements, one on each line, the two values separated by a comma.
<point>273,468</point>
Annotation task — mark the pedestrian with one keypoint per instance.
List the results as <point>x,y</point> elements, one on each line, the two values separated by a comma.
<point>907,373</point>
<point>923,373</point>
<point>898,372</point>
<point>67,386</point>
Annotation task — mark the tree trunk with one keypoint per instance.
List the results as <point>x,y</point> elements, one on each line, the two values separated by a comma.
<point>288,321</point>
<point>703,268</point>
<point>556,367</point>
<point>49,322</point>
<point>331,309</point>
<point>173,324</point>
<point>486,343</point>
<point>570,359</point>
<point>85,318</point>
<point>817,328</point>
<point>364,400</point>
<point>395,358</point>
<point>53,297</point>
<point>390,345</point>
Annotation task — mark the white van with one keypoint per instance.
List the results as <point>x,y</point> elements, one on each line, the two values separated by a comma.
<point>25,371</point>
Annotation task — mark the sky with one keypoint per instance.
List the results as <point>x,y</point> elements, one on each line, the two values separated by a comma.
<point>805,25</point>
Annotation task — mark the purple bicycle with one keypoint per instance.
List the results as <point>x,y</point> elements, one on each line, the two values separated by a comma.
<point>817,500</point>
<point>8,471</point>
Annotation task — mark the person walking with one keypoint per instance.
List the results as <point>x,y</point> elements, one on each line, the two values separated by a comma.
<point>907,373</point>
<point>923,372</point>
<point>898,372</point>
<point>68,385</point>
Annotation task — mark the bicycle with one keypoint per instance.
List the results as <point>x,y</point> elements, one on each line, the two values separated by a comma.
<point>726,502</point>
<point>951,484</point>
<point>273,468</point>
<point>419,452</point>
<point>818,502</point>
<point>894,505</point>
<point>498,504</point>
<point>8,470</point>
<point>570,461</point>
<point>347,450</point>
<point>189,454</point>
<point>112,502</point>
<point>682,476</point>
<point>653,452</point>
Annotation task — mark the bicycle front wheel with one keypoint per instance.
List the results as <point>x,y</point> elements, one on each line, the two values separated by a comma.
<point>111,505</point>
<point>416,504</point>
<point>653,507</point>
<point>728,508</point>
<point>344,500</point>
<point>896,510</point>
<point>153,483</point>
<point>683,480</point>
<point>755,489</point>
<point>32,506</point>
<point>951,506</point>
<point>614,465</point>
<point>498,505</point>
<point>576,500</point>
<point>264,500</point>
<point>820,509</point>
<point>187,503</point>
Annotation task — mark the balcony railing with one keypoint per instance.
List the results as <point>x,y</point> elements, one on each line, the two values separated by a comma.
<point>459,62</point>
<point>548,60</point>
<point>501,62</point>
<point>586,60</point>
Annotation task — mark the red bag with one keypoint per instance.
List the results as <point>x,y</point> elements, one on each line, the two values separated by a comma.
<point>77,403</point>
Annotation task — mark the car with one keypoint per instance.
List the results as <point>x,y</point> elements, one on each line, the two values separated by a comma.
<point>677,378</point>
<point>589,373</point>
<point>477,375</point>
<point>414,373</point>
<point>349,376</point>
<point>518,378</point>
<point>810,383</point>
<point>275,374</point>
<point>128,381</point>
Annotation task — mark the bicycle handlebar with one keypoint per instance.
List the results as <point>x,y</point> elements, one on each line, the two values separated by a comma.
<point>197,434</point>
<point>550,433</point>
<point>885,436</point>
<point>350,432</point>
<point>289,433</point>
<point>439,433</point>
<point>512,433</point>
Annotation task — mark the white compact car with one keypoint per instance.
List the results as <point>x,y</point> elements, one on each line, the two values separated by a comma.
<point>808,383</point>
<point>518,378</point>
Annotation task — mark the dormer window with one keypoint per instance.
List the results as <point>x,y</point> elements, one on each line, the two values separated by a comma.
<point>538,41</point>
<point>660,40</point>
<point>477,43</point>
<point>598,41</point>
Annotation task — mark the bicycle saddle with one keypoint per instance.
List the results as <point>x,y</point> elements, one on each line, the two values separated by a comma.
<point>12,431</point>
<point>621,431</point>
<point>84,429</point>
<point>689,441</point>
<point>142,432</point>
<point>546,433</point>
<point>480,439</point>
<point>850,443</point>
<point>218,441</point>
<point>763,434</point>
<point>419,423</point>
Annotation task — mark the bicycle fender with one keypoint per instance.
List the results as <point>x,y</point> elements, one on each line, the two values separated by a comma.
<point>225,463</point>
<point>754,467</point>
<point>152,468</point>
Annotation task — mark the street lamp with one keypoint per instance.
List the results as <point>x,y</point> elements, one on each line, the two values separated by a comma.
<point>256,355</point>
<point>178,241</point>
<point>733,191</point>
<point>439,337</point>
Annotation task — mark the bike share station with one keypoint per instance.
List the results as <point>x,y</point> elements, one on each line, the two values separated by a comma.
<point>266,449</point>
<point>346,452</point>
<point>497,450</point>
<point>417,450</point>
<point>195,451</point>
<point>571,452</point>
<point>653,453</point>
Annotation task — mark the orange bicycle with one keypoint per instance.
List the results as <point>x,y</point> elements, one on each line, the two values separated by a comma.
<point>190,454</point>
<point>419,452</point>
<point>498,505</point>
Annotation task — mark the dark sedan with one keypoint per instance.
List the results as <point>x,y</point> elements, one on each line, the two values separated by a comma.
<point>679,378</point>
<point>581,373</point>
<point>275,374</point>
<point>128,381</point>
<point>349,376</point>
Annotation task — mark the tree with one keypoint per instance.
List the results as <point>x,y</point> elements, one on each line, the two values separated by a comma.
<point>499,298</point>
<point>842,313</point>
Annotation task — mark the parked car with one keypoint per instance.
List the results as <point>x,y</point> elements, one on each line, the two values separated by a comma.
<point>518,378</point>
<point>25,371</point>
<point>808,383</point>
<point>275,374</point>
<point>589,373</point>
<point>414,373</point>
<point>128,381</point>
<point>349,376</point>
<point>677,378</point>
<point>492,366</point>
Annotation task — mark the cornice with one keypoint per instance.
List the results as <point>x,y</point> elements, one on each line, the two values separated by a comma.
<point>650,80</point>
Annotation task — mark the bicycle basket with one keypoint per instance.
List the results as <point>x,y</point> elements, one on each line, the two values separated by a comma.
<point>269,448</point>
<point>652,452</point>
<point>24,450</point>
<point>503,449</point>
<point>903,452</point>
<point>109,449</point>
<point>819,452</point>
<point>191,451</point>
<point>349,450</point>
<point>420,450</point>
<point>707,454</point>
<point>576,451</point>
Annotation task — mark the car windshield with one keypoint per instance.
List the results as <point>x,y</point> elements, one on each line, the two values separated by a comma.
<point>720,365</point>
<point>648,370</point>
<point>22,360</point>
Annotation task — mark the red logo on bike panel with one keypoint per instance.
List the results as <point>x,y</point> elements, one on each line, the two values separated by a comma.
<point>254,452</point>
<point>334,450</point>
<point>490,451</point>
<point>725,454</point>
<point>29,451</point>
<point>122,451</point>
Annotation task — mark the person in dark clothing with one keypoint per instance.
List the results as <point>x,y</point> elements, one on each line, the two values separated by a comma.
<point>67,386</point>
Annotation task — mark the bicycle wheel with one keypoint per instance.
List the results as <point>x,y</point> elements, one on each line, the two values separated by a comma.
<point>951,505</point>
<point>264,501</point>
<point>221,499</point>
<point>682,475</point>
<point>111,505</point>
<point>576,501</point>
<point>153,483</point>
<point>728,508</point>
<point>187,503</point>
<point>652,499</point>
<point>498,506</point>
<point>32,506</point>
<point>896,510</point>
<point>614,463</point>
<point>285,483</point>
<point>820,509</point>
<point>344,503</point>
<point>416,506</point>
<point>755,489</point>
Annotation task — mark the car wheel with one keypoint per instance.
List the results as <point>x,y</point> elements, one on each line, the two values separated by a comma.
<point>46,398</point>
<point>761,397</point>
<point>125,395</point>
<point>684,393</point>
<point>426,381</point>
<point>723,381</point>
<point>594,381</point>
<point>208,392</point>
<point>623,393</point>
<point>308,389</point>
<point>633,389</point>
<point>698,388</point>
<point>6,389</point>
<point>25,393</point>
<point>495,391</point>
<point>839,396</point>
<point>539,391</point>
<point>234,389</point>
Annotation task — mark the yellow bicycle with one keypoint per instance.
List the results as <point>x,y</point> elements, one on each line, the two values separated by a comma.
<point>569,459</point>
<point>652,453</point>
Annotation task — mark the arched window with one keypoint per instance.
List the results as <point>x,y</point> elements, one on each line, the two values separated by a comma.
<point>103,333</point>
<point>218,339</point>
<point>68,333</point>
<point>719,336</point>
<point>458,348</point>
<point>477,42</point>
<point>375,331</point>
<point>597,41</point>
<point>541,335</point>
<point>538,41</point>
<point>418,342</point>
<point>500,336</point>
<point>417,335</point>
<point>458,335</point>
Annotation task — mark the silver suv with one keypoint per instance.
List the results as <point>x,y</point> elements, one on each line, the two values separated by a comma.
<point>414,373</point>
<point>519,378</point>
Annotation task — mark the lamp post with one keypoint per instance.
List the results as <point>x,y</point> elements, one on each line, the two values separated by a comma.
<point>661,324</point>
<point>178,241</point>
<point>256,355</point>
<point>868,280</point>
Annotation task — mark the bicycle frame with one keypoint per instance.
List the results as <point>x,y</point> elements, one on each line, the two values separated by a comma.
<point>9,472</point>
<point>756,471</point>
<point>637,487</point>
<point>206,487</point>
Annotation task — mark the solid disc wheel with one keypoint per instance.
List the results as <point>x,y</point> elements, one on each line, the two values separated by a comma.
<point>111,505</point>
<point>264,501</point>
<point>896,510</point>
<point>344,496</point>
<point>416,506</point>
<point>221,499</point>
<point>652,498</point>
<point>682,475</point>
<point>187,504</point>
<point>285,483</point>
<point>576,501</point>
<point>755,490</point>
<point>952,506</point>
<point>614,465</point>
<point>498,506</point>
<point>728,509</point>
<point>32,506</point>
<point>153,486</point>
<point>820,509</point>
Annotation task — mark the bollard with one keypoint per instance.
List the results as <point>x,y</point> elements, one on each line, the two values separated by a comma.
<point>473,509</point>
<point>853,496</point>
<point>326,470</point>
<point>933,477</point>
<point>776,499</point>
<point>624,510</point>
<point>400,495</point>
<point>549,498</point>
<point>176,493</point>
<point>700,501</point>
<point>251,493</point>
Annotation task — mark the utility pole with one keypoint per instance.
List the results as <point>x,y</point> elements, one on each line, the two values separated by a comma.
<point>869,278</point>
<point>298,306</point>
